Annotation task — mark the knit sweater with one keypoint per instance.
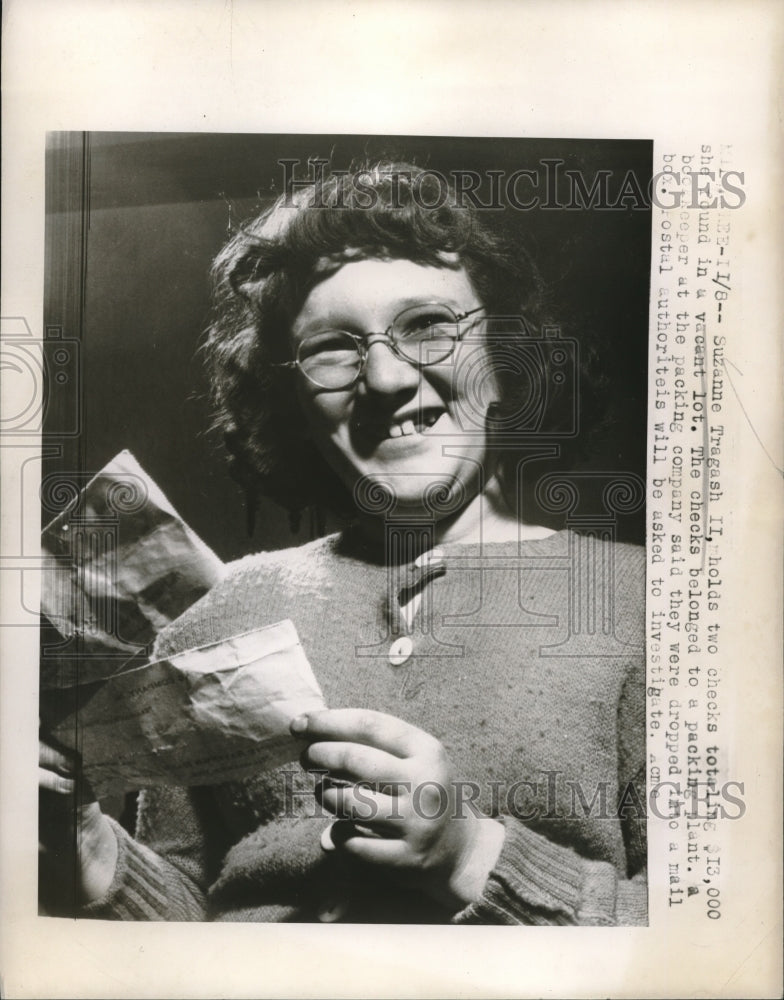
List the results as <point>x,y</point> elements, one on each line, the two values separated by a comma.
<point>528,666</point>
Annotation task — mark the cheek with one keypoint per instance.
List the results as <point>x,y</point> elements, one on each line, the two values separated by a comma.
<point>474,385</point>
<point>324,414</point>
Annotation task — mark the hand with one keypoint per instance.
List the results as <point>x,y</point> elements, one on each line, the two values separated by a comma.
<point>398,803</point>
<point>71,826</point>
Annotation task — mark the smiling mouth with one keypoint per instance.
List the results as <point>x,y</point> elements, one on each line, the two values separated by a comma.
<point>409,428</point>
<point>375,432</point>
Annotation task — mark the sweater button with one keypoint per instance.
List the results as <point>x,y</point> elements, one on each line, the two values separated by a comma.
<point>400,650</point>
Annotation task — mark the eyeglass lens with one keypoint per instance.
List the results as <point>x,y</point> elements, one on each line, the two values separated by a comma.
<point>422,334</point>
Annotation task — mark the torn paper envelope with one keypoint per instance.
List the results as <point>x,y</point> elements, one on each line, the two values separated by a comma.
<point>119,565</point>
<point>205,716</point>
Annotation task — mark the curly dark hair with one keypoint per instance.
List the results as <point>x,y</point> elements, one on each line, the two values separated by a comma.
<point>265,272</point>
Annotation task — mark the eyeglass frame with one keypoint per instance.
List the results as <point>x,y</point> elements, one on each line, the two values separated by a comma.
<point>365,341</point>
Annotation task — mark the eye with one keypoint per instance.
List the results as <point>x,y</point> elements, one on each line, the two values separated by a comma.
<point>430,319</point>
<point>425,321</point>
<point>330,347</point>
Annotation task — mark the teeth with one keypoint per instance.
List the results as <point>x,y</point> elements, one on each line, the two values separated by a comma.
<point>408,427</point>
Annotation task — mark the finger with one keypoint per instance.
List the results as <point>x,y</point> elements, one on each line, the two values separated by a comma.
<point>55,760</point>
<point>361,725</point>
<point>57,744</point>
<point>53,782</point>
<point>361,804</point>
<point>339,831</point>
<point>355,762</point>
<point>393,853</point>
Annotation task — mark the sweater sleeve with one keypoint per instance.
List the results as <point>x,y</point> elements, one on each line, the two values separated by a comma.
<point>145,887</point>
<point>163,873</point>
<point>536,881</point>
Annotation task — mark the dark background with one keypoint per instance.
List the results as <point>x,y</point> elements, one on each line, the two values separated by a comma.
<point>133,221</point>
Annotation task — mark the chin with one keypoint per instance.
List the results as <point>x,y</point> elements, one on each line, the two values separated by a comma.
<point>425,494</point>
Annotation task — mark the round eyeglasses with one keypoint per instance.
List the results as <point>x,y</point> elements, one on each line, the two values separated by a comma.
<point>423,335</point>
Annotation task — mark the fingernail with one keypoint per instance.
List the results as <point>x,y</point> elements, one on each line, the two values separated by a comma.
<point>299,725</point>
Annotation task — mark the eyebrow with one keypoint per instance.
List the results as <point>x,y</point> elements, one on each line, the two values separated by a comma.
<point>400,305</point>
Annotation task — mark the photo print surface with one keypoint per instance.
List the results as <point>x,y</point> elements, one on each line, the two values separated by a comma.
<point>343,507</point>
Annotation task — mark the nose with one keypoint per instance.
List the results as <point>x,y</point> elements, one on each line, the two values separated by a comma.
<point>385,373</point>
